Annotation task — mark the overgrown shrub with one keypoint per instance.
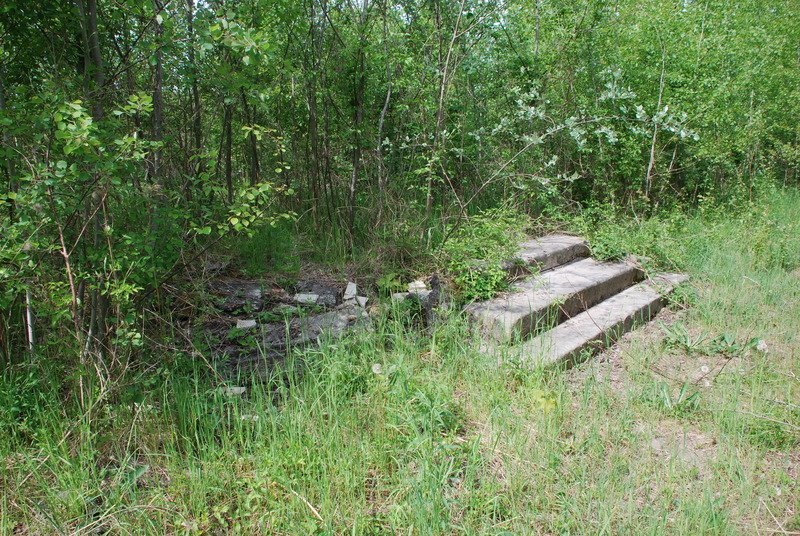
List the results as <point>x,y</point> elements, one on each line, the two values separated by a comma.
<point>474,255</point>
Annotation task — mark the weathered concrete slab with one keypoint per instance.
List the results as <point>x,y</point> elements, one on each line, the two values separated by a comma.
<point>600,325</point>
<point>541,254</point>
<point>333,323</point>
<point>306,298</point>
<point>328,291</point>
<point>246,323</point>
<point>350,292</point>
<point>399,296</point>
<point>553,250</point>
<point>544,300</point>
<point>417,286</point>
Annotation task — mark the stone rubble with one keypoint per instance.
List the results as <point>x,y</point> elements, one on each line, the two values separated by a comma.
<point>306,298</point>
<point>246,324</point>
<point>350,292</point>
<point>417,286</point>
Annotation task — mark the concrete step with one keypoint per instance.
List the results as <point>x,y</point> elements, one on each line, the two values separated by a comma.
<point>553,250</point>
<point>599,326</point>
<point>543,301</point>
<point>541,254</point>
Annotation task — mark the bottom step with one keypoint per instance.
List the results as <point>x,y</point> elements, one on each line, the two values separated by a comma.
<point>600,325</point>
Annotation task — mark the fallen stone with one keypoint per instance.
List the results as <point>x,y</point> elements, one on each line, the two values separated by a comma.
<point>350,291</point>
<point>230,390</point>
<point>246,324</point>
<point>306,298</point>
<point>420,296</point>
<point>329,292</point>
<point>333,323</point>
<point>326,300</point>
<point>417,286</point>
<point>362,301</point>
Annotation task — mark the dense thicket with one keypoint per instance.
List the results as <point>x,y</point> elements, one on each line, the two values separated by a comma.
<point>137,132</point>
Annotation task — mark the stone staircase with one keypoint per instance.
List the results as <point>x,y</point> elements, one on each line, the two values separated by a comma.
<point>572,306</point>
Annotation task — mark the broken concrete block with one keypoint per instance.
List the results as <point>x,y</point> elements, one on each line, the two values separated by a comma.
<point>417,286</point>
<point>245,324</point>
<point>231,390</point>
<point>362,301</point>
<point>399,296</point>
<point>350,291</point>
<point>327,300</point>
<point>304,298</point>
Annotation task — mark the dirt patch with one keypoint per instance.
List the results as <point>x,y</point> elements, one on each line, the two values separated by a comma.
<point>671,440</point>
<point>701,371</point>
<point>675,365</point>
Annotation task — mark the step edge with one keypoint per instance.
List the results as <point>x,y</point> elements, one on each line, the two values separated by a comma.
<point>504,328</point>
<point>661,285</point>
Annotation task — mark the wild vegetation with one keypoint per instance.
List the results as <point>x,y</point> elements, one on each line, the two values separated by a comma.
<point>385,140</point>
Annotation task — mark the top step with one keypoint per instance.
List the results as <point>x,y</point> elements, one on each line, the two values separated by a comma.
<point>551,251</point>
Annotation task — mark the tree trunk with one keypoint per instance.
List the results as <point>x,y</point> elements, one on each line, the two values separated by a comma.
<point>197,118</point>
<point>443,62</point>
<point>252,141</point>
<point>227,133</point>
<point>93,60</point>
<point>648,177</point>
<point>312,68</point>
<point>158,100</point>
<point>8,168</point>
<point>358,99</point>
<point>382,174</point>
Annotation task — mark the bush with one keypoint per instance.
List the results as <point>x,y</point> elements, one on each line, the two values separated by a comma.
<point>474,256</point>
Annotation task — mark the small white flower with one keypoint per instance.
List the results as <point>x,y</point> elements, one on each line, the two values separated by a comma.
<point>377,368</point>
<point>762,347</point>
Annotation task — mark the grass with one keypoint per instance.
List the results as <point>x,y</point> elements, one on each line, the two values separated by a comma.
<point>439,439</point>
